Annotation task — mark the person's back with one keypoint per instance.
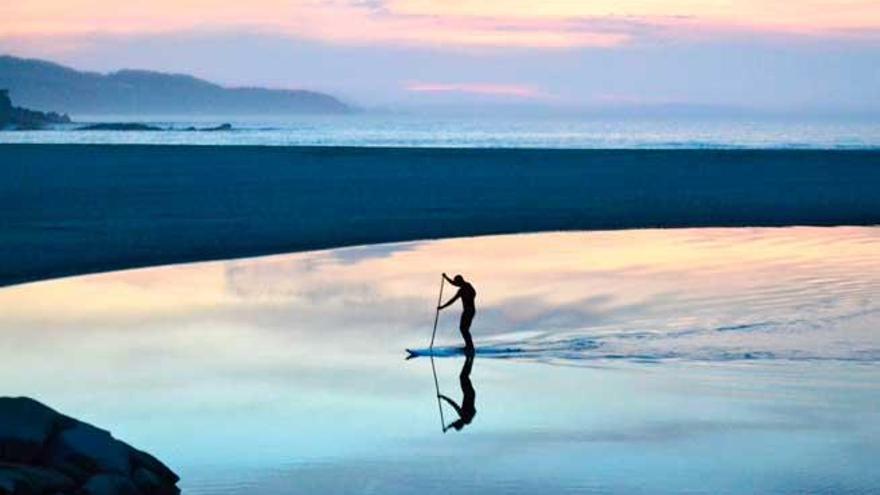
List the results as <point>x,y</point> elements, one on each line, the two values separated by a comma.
<point>468,297</point>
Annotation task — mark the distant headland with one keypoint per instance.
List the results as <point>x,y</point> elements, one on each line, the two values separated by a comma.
<point>12,117</point>
<point>41,84</point>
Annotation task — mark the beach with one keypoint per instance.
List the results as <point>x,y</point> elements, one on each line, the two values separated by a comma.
<point>74,209</point>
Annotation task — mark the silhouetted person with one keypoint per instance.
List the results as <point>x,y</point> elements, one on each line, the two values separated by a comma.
<point>467,410</point>
<point>467,294</point>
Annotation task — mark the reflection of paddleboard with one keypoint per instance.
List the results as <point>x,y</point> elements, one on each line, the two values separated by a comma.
<point>435,352</point>
<point>441,352</point>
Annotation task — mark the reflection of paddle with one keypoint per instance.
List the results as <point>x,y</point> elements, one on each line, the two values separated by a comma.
<point>433,368</point>
<point>437,389</point>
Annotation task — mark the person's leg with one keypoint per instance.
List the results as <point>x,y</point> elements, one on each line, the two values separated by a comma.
<point>468,342</point>
<point>465,328</point>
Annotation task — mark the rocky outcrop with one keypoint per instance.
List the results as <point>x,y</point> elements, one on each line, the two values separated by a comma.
<point>221,127</point>
<point>45,452</point>
<point>137,126</point>
<point>21,118</point>
<point>119,126</point>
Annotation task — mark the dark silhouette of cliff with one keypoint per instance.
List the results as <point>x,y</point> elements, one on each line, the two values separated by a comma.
<point>41,84</point>
<point>12,117</point>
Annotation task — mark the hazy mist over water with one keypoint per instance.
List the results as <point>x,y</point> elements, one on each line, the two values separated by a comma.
<point>480,130</point>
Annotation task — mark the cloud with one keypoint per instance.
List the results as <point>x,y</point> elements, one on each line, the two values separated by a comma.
<point>468,23</point>
<point>352,23</point>
<point>487,89</point>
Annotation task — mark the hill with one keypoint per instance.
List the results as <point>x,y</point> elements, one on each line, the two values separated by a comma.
<point>40,84</point>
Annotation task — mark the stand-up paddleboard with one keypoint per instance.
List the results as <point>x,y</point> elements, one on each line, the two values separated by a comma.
<point>444,352</point>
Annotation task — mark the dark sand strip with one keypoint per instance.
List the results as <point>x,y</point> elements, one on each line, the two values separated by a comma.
<point>71,209</point>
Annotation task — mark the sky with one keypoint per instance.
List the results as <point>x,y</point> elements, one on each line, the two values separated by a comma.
<point>775,55</point>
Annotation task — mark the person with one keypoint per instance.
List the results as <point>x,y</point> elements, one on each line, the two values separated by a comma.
<point>468,409</point>
<point>468,295</point>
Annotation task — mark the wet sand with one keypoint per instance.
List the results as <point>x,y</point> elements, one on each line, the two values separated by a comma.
<point>73,209</point>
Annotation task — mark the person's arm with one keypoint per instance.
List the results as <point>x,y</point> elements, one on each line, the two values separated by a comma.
<point>454,298</point>
<point>458,423</point>
<point>447,278</point>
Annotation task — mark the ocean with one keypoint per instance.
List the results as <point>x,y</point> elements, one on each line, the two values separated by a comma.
<point>479,131</point>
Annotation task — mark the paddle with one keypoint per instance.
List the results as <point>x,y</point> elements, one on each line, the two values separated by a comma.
<point>437,313</point>
<point>437,389</point>
<point>433,368</point>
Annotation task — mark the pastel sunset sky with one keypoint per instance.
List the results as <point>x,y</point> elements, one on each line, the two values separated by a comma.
<point>761,54</point>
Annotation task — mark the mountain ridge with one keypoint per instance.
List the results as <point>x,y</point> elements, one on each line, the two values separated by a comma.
<point>39,83</point>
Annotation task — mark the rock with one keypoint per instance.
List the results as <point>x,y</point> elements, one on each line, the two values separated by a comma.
<point>119,126</point>
<point>149,483</point>
<point>21,479</point>
<point>5,108</point>
<point>142,459</point>
<point>221,127</point>
<point>43,452</point>
<point>25,426</point>
<point>23,118</point>
<point>84,448</point>
<point>109,484</point>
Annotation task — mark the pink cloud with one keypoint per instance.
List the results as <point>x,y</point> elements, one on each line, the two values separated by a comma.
<point>487,89</point>
<point>556,24</point>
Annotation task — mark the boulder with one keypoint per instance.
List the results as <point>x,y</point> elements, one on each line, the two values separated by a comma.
<point>43,452</point>
<point>25,426</point>
<point>142,459</point>
<point>149,483</point>
<point>22,479</point>
<point>84,448</point>
<point>109,484</point>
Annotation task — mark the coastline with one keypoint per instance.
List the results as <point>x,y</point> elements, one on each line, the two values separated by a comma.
<point>75,209</point>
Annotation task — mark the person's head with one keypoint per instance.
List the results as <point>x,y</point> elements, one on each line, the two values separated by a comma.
<point>458,280</point>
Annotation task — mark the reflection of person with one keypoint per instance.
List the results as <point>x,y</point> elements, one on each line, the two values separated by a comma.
<point>467,294</point>
<point>467,410</point>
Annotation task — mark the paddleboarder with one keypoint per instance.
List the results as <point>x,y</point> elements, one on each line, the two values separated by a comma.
<point>468,295</point>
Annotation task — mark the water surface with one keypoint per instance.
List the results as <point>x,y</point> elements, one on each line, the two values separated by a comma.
<point>482,131</point>
<point>652,361</point>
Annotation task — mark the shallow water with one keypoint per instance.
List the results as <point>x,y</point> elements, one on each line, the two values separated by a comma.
<point>652,361</point>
